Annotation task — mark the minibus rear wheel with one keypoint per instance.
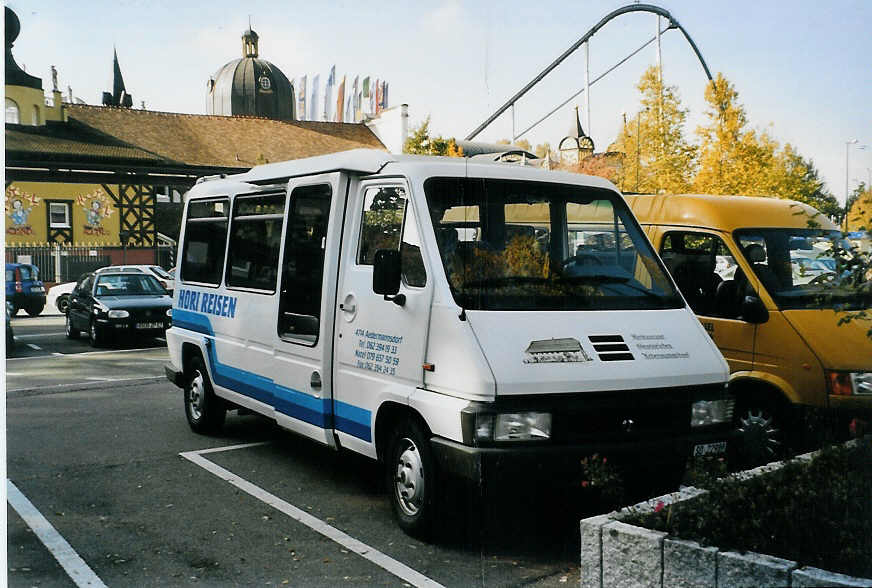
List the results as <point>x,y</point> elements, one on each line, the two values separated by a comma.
<point>205,411</point>
<point>411,478</point>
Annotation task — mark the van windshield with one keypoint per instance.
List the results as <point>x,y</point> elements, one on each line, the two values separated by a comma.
<point>798,268</point>
<point>516,245</point>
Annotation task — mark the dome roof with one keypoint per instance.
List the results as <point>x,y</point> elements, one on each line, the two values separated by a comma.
<point>250,86</point>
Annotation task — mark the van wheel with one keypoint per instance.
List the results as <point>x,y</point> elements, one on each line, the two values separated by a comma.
<point>205,411</point>
<point>761,428</point>
<point>411,478</point>
<point>69,330</point>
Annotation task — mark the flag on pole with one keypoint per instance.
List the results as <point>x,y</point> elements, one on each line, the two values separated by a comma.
<point>379,90</point>
<point>355,100</point>
<point>385,96</point>
<point>340,101</point>
<point>373,98</point>
<point>313,103</point>
<point>364,96</point>
<point>328,95</point>
<point>301,99</point>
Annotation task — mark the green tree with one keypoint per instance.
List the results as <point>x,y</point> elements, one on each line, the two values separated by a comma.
<point>796,178</point>
<point>657,155</point>
<point>421,143</point>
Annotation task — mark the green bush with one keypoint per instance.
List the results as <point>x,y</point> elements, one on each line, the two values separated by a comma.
<point>817,513</point>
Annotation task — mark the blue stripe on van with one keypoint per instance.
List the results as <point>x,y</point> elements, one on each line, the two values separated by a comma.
<point>349,419</point>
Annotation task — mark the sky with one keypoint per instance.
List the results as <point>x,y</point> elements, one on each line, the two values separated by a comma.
<point>803,69</point>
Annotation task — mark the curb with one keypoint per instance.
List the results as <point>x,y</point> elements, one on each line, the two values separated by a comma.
<point>95,385</point>
<point>614,553</point>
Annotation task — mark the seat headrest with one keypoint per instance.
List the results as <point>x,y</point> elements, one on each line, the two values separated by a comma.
<point>755,253</point>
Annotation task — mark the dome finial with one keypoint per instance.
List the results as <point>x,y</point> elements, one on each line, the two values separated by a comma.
<point>249,41</point>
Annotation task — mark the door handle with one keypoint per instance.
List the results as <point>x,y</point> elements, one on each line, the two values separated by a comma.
<point>315,381</point>
<point>347,307</point>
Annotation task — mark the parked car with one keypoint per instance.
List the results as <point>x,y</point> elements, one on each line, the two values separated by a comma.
<point>163,277</point>
<point>60,296</point>
<point>10,336</point>
<point>129,306</point>
<point>24,288</point>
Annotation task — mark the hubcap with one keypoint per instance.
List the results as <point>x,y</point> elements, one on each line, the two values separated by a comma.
<point>93,332</point>
<point>195,396</point>
<point>761,435</point>
<point>409,481</point>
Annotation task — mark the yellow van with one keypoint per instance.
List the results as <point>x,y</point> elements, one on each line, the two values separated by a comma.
<point>754,271</point>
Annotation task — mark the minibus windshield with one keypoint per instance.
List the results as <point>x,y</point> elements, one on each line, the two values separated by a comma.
<point>798,268</point>
<point>517,245</point>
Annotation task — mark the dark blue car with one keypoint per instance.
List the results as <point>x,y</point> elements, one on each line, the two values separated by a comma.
<point>24,288</point>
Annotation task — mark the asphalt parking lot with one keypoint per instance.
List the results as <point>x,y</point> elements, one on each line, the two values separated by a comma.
<point>98,444</point>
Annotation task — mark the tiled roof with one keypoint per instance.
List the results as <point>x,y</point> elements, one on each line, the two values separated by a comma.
<point>225,141</point>
<point>56,141</point>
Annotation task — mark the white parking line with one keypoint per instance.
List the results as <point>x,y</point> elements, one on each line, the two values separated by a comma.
<point>36,347</point>
<point>38,335</point>
<point>385,562</point>
<point>73,565</point>
<point>87,353</point>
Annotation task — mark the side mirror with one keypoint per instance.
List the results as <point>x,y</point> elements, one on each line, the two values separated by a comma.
<point>753,310</point>
<point>387,274</point>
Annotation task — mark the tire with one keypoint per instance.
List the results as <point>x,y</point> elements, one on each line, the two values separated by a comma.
<point>69,330</point>
<point>762,433</point>
<point>34,310</point>
<point>205,411</point>
<point>95,335</point>
<point>412,478</point>
<point>63,304</point>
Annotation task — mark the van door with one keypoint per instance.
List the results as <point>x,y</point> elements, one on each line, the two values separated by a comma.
<point>380,344</point>
<point>304,319</point>
<point>712,282</point>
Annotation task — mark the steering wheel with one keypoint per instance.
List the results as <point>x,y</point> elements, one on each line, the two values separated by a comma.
<point>581,259</point>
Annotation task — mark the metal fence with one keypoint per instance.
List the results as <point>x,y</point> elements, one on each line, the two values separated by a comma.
<point>65,264</point>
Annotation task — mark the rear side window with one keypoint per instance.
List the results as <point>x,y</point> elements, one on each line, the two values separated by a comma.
<point>255,236</point>
<point>205,241</point>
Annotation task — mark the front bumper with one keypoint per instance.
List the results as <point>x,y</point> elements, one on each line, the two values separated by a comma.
<point>860,404</point>
<point>550,461</point>
<point>174,376</point>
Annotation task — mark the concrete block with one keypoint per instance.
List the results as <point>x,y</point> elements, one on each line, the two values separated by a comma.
<point>688,564</point>
<point>753,569</point>
<point>810,577</point>
<point>632,556</point>
<point>650,505</point>
<point>592,550</point>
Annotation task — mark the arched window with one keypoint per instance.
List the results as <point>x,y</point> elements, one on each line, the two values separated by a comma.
<point>34,117</point>
<point>12,115</point>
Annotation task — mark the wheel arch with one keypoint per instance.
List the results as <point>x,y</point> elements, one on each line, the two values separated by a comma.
<point>389,414</point>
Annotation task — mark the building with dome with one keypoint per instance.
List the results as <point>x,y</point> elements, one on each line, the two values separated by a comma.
<point>250,86</point>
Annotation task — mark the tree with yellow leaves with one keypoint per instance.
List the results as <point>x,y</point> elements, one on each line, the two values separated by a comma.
<point>421,143</point>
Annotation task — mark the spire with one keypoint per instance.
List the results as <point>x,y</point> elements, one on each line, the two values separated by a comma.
<point>575,130</point>
<point>119,95</point>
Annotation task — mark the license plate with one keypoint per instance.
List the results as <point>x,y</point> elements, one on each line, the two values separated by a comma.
<point>37,289</point>
<point>149,325</point>
<point>710,449</point>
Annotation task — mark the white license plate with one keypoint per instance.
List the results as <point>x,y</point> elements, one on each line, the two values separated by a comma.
<point>37,289</point>
<point>710,449</point>
<point>149,325</point>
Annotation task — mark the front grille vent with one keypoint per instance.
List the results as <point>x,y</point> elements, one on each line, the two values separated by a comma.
<point>611,348</point>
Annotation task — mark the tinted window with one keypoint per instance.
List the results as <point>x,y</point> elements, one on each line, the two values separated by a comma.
<point>205,240</point>
<point>255,236</point>
<point>303,264</point>
<point>389,223</point>
<point>127,285</point>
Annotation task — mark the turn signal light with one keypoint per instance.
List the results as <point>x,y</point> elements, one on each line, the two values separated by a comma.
<point>840,383</point>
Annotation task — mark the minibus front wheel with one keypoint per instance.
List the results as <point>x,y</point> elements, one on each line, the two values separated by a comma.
<point>205,411</point>
<point>411,478</point>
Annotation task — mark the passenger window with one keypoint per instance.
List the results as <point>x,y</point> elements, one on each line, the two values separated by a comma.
<point>205,240</point>
<point>303,264</point>
<point>706,273</point>
<point>388,223</point>
<point>255,239</point>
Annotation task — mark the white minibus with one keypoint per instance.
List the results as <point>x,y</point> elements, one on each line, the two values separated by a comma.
<point>443,316</point>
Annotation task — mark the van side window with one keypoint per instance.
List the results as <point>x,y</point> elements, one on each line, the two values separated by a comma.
<point>205,240</point>
<point>388,223</point>
<point>303,264</point>
<point>255,238</point>
<point>706,273</point>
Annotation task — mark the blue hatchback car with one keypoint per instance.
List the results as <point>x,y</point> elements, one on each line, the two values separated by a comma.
<point>24,288</point>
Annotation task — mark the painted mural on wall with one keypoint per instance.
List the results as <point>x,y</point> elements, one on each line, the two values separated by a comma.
<point>19,211</point>
<point>97,207</point>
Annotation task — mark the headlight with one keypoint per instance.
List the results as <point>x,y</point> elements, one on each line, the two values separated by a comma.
<point>711,412</point>
<point>99,308</point>
<point>169,313</point>
<point>515,426</point>
<point>118,314</point>
<point>849,383</point>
